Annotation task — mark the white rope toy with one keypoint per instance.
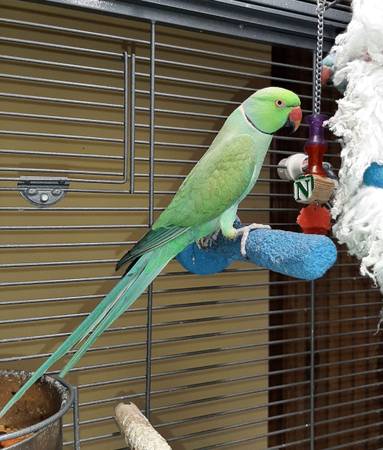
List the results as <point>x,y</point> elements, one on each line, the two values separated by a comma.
<point>358,208</point>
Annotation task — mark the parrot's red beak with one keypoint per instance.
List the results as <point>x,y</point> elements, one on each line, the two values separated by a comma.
<point>326,75</point>
<point>295,118</point>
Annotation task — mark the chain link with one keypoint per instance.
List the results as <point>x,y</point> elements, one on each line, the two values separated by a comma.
<point>334,2</point>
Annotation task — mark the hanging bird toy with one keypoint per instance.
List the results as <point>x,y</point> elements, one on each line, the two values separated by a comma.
<point>314,181</point>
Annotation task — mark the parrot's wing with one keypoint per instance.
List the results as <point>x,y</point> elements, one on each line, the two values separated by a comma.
<point>152,240</point>
<point>219,180</point>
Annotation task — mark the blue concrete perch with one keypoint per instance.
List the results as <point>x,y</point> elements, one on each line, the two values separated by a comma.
<point>303,256</point>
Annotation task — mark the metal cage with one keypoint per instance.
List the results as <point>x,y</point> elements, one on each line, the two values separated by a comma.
<point>116,100</point>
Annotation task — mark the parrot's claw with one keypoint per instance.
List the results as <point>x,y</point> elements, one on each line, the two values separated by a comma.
<point>244,231</point>
<point>208,241</point>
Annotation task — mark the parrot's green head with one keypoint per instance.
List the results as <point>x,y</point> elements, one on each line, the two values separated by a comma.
<point>272,108</point>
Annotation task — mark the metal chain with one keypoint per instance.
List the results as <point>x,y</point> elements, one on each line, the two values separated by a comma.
<point>321,8</point>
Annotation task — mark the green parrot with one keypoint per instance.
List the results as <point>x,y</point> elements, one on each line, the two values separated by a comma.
<point>206,202</point>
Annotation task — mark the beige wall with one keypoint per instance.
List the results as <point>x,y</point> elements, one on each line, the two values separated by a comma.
<point>50,303</point>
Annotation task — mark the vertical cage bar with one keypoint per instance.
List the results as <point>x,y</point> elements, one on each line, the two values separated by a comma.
<point>76,420</point>
<point>149,332</point>
<point>312,312</point>
<point>132,121</point>
<point>126,116</point>
<point>312,365</point>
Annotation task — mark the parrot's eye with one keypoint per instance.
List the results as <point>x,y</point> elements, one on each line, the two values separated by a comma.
<point>280,103</point>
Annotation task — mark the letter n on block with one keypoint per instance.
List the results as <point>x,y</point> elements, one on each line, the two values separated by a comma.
<point>303,188</point>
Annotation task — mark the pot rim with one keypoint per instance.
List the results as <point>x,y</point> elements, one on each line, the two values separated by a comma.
<point>66,403</point>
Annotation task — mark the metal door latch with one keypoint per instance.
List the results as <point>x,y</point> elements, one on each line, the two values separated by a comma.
<point>43,191</point>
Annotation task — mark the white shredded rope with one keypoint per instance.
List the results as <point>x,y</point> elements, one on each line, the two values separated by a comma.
<point>357,208</point>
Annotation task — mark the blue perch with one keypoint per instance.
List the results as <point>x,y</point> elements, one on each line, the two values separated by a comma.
<point>303,256</point>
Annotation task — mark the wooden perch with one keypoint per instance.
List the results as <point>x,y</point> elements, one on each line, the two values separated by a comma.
<point>137,430</point>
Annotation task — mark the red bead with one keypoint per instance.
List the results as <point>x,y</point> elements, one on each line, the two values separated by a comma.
<point>314,219</point>
<point>315,159</point>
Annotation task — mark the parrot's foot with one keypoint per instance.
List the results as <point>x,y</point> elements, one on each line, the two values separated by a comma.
<point>208,241</point>
<point>244,231</point>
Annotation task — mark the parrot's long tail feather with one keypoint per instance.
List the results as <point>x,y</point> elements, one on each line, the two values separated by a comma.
<point>123,295</point>
<point>123,301</point>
